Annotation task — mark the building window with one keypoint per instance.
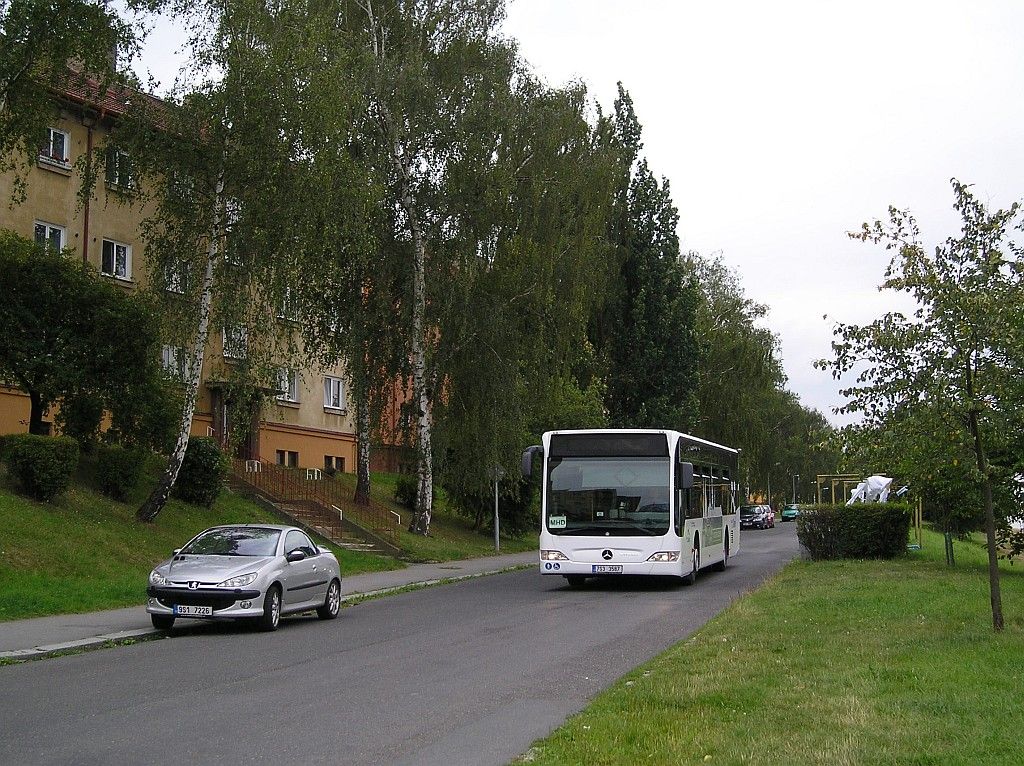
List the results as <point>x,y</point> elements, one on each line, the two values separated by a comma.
<point>49,235</point>
<point>288,308</point>
<point>288,385</point>
<point>176,277</point>
<point>55,147</point>
<point>334,463</point>
<point>334,393</point>
<point>236,342</point>
<point>174,362</point>
<point>117,259</point>
<point>287,458</point>
<point>119,170</point>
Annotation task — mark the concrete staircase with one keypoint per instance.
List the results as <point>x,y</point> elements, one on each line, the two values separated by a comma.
<point>316,504</point>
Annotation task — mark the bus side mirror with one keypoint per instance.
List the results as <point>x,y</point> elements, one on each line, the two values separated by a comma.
<point>528,454</point>
<point>684,475</point>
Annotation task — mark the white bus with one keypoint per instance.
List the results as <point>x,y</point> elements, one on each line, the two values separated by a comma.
<point>635,502</point>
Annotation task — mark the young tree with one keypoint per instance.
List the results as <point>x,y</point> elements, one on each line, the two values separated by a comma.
<point>959,356</point>
<point>69,338</point>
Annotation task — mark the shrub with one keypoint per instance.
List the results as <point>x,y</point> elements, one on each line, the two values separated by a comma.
<point>405,491</point>
<point>118,470</point>
<point>202,472</point>
<point>859,531</point>
<point>42,464</point>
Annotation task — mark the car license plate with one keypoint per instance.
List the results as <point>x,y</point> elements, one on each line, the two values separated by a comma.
<point>181,610</point>
<point>607,569</point>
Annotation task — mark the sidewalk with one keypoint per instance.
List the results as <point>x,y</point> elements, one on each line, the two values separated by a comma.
<point>37,637</point>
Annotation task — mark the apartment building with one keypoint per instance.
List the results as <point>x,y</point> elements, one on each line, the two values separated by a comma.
<point>306,422</point>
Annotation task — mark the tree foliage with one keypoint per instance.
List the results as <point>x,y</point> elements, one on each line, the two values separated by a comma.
<point>72,339</point>
<point>648,322</point>
<point>952,369</point>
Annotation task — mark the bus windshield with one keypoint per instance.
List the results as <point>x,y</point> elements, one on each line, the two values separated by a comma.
<point>616,496</point>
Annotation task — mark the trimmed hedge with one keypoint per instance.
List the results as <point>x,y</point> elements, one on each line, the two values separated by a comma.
<point>118,470</point>
<point>858,531</point>
<point>42,464</point>
<point>202,472</point>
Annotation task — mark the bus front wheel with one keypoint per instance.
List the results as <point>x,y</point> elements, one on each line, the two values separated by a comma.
<point>691,578</point>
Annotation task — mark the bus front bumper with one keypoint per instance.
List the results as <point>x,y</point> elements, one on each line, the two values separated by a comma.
<point>612,569</point>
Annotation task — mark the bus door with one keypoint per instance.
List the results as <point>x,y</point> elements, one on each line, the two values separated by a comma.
<point>715,490</point>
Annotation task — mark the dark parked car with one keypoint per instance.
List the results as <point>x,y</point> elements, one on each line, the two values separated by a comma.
<point>760,516</point>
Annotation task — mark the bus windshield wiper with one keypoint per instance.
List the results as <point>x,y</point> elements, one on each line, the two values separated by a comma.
<point>610,527</point>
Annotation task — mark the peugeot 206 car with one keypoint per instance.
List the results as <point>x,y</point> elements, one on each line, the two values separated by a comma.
<point>254,571</point>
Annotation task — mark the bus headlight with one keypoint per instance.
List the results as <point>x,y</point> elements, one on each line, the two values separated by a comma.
<point>665,556</point>
<point>553,556</point>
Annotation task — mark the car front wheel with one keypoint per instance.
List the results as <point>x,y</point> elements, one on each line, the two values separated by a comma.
<point>162,621</point>
<point>332,604</point>
<point>271,609</point>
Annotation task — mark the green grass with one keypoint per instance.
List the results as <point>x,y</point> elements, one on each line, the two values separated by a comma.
<point>452,537</point>
<point>86,552</point>
<point>853,662</point>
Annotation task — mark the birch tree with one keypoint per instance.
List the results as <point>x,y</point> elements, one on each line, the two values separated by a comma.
<point>438,67</point>
<point>227,171</point>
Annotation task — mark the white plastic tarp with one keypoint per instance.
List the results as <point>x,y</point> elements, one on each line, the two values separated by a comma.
<point>874,489</point>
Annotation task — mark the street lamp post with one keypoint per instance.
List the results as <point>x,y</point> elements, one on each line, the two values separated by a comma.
<point>796,478</point>
<point>496,474</point>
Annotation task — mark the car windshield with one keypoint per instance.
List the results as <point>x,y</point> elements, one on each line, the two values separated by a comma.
<point>748,510</point>
<point>234,541</point>
<point>608,496</point>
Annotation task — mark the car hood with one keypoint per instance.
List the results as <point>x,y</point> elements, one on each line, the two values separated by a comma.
<point>211,568</point>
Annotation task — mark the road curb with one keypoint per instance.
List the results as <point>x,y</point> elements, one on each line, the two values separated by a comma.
<point>48,650</point>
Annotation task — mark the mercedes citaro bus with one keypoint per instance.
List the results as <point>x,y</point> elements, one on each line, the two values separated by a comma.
<point>634,502</point>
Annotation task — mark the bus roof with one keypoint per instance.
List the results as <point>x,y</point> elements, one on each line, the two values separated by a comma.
<point>665,431</point>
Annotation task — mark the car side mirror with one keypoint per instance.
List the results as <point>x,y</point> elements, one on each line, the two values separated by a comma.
<point>528,454</point>
<point>176,551</point>
<point>684,475</point>
<point>295,555</point>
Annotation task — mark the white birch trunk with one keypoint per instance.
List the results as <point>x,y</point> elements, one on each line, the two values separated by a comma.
<point>158,497</point>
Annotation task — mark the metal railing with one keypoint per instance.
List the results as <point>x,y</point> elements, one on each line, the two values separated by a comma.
<point>288,485</point>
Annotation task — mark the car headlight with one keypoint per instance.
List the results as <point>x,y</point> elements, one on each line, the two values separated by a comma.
<point>155,578</point>
<point>553,556</point>
<point>238,582</point>
<point>664,556</point>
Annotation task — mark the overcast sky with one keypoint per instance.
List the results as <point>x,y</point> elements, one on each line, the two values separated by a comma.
<point>783,125</point>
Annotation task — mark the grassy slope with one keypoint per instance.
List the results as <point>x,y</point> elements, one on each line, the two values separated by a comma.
<point>451,535</point>
<point>833,663</point>
<point>85,552</point>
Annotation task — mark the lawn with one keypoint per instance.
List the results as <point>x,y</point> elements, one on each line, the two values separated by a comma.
<point>85,552</point>
<point>856,662</point>
<point>452,536</point>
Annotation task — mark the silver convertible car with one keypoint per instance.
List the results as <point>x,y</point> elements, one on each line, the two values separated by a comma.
<point>255,571</point>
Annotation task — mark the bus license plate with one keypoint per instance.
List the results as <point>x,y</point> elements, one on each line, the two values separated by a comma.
<point>607,569</point>
<point>180,610</point>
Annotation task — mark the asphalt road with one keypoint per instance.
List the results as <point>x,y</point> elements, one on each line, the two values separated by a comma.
<point>469,673</point>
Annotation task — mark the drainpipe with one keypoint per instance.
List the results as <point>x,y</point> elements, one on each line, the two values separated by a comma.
<point>89,121</point>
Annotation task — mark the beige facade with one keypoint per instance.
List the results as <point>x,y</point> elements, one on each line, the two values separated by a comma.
<point>308,426</point>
